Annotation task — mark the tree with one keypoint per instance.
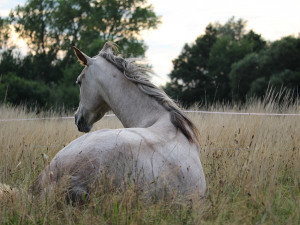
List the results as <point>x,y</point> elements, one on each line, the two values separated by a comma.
<point>33,22</point>
<point>52,27</point>
<point>189,77</point>
<point>233,29</point>
<point>276,66</point>
<point>201,72</point>
<point>4,32</point>
<point>227,51</point>
<point>242,74</point>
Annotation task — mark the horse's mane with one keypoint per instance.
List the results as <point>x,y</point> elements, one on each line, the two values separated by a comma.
<point>136,73</point>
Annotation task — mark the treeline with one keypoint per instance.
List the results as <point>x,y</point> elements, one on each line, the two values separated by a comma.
<point>46,75</point>
<point>226,63</point>
<point>229,64</point>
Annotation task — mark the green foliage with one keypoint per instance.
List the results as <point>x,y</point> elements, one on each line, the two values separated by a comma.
<point>10,62</point>
<point>235,30</point>
<point>226,63</point>
<point>32,67</point>
<point>229,64</point>
<point>287,78</point>
<point>276,66</point>
<point>52,27</point>
<point>67,92</point>
<point>243,73</point>
<point>33,22</point>
<point>4,32</point>
<point>18,90</point>
<point>191,67</point>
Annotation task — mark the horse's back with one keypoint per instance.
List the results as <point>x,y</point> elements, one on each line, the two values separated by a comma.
<point>140,156</point>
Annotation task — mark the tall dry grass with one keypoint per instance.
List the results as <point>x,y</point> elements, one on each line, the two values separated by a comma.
<point>252,167</point>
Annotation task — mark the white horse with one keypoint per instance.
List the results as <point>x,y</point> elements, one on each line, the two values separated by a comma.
<point>157,151</point>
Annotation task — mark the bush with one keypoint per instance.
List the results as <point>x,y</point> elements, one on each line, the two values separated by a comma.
<point>17,90</point>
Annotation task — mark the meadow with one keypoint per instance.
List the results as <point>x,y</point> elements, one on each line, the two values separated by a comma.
<point>251,163</point>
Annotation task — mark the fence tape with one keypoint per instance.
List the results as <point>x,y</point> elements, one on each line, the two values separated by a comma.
<point>240,113</point>
<point>187,111</point>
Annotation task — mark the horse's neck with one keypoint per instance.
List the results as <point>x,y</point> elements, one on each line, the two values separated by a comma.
<point>131,106</point>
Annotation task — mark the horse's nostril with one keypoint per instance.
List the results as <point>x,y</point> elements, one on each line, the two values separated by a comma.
<point>80,122</point>
<point>76,117</point>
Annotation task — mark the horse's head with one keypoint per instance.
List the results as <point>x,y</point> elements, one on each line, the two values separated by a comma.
<point>92,106</point>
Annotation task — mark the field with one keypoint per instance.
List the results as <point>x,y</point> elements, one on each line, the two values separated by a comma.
<point>251,163</point>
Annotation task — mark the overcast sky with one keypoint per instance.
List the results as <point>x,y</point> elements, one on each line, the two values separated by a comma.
<point>183,21</point>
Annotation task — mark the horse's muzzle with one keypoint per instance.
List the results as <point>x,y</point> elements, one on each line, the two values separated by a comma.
<point>82,124</point>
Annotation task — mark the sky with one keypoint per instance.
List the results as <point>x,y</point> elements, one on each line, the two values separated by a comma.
<point>184,21</point>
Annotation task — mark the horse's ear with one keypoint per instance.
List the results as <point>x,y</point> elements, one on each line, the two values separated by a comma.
<point>110,47</point>
<point>82,58</point>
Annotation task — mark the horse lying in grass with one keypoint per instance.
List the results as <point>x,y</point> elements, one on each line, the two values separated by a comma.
<point>157,151</point>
